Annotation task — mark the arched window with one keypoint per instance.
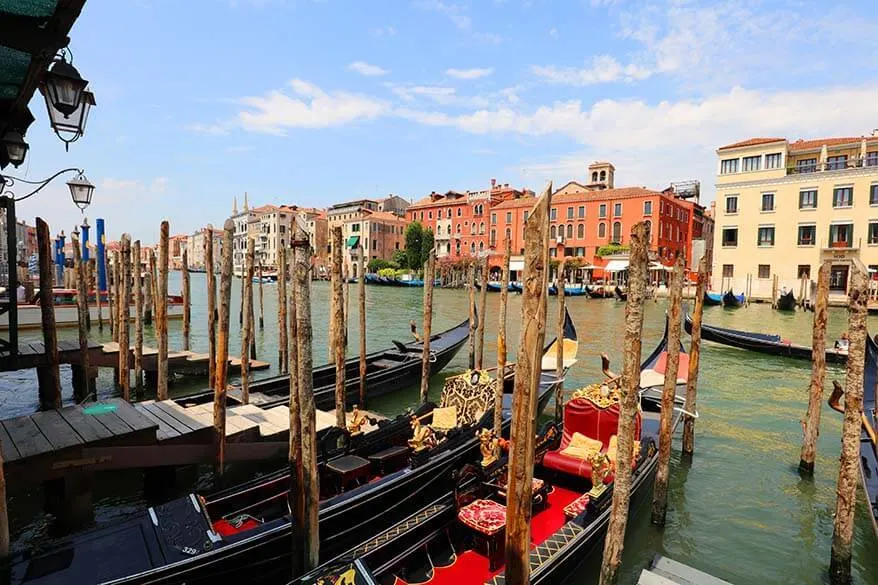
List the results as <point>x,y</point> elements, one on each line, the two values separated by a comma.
<point>472,248</point>
<point>472,229</point>
<point>482,227</point>
<point>448,214</point>
<point>508,234</point>
<point>617,232</point>
<point>648,230</point>
<point>458,212</point>
<point>458,228</point>
<point>553,232</point>
<point>481,246</point>
<point>457,247</point>
<point>603,175</point>
<point>594,177</point>
<point>569,230</point>
<point>580,231</point>
<point>602,230</point>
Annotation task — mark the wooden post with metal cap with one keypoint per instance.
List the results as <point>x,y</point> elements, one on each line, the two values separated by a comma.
<point>429,270</point>
<point>501,343</point>
<point>221,357</point>
<point>811,422</point>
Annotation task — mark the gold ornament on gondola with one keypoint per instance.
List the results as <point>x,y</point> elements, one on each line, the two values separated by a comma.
<point>602,395</point>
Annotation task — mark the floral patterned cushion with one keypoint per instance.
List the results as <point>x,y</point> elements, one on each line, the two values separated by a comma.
<point>536,485</point>
<point>576,507</point>
<point>485,516</point>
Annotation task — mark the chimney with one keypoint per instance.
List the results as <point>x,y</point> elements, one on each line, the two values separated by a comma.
<point>494,181</point>
<point>875,132</point>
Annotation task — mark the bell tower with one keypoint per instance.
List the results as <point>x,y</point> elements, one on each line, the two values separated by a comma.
<point>601,175</point>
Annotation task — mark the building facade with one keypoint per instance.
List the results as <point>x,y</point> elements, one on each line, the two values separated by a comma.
<point>378,234</point>
<point>317,227</point>
<point>785,207</point>
<point>177,244</point>
<point>196,245</point>
<point>269,226</point>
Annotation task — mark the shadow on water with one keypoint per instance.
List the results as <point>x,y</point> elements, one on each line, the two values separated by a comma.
<point>739,510</point>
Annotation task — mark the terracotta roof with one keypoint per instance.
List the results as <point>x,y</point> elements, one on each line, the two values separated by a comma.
<point>516,203</point>
<point>800,145</point>
<point>751,142</point>
<point>620,193</point>
<point>439,200</point>
<point>384,216</point>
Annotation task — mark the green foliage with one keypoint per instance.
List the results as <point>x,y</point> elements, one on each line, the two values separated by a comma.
<point>377,264</point>
<point>612,249</point>
<point>414,236</point>
<point>426,245</point>
<point>400,259</point>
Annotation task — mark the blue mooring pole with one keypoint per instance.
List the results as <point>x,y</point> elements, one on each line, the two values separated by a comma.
<point>101,254</point>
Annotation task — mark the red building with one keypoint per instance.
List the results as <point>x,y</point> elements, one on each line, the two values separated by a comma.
<point>459,221</point>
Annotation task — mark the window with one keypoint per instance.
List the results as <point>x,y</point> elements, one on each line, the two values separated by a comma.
<point>732,204</point>
<point>602,210</point>
<point>448,216</point>
<point>422,216</point>
<point>764,271</point>
<point>602,230</point>
<point>836,163</point>
<point>429,215</point>
<point>807,235</point>
<point>808,199</point>
<point>374,244</point>
<point>772,161</point>
<point>493,237</point>
<point>728,166</point>
<point>458,212</point>
<point>553,214</point>
<point>843,197</point>
<point>648,230</point>
<point>647,208</point>
<point>580,252</point>
<point>553,252</point>
<point>569,230</point>
<point>873,194</point>
<point>508,217</point>
<point>751,163</point>
<point>617,210</point>
<point>871,159</point>
<point>526,214</point>
<point>804,271</point>
<point>569,213</point>
<point>481,228</point>
<point>553,232</point>
<point>768,202</point>
<point>472,248</point>
<point>766,236</point>
<point>617,232</point>
<point>508,234</point>
<point>841,235</point>
<point>873,232</point>
<point>728,270</point>
<point>581,211</point>
<point>806,165</point>
<point>580,231</point>
<point>355,227</point>
<point>493,219</point>
<point>458,228</point>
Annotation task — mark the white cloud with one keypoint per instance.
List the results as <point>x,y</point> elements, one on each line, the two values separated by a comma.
<point>366,69</point>
<point>311,107</point>
<point>602,69</point>
<point>454,12</point>
<point>553,32</point>
<point>473,73</point>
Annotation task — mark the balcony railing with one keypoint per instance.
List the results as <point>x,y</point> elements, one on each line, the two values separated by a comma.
<point>847,244</point>
<point>852,163</point>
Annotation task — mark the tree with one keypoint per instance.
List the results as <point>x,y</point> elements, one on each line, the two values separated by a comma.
<point>399,258</point>
<point>376,264</point>
<point>426,245</point>
<point>414,235</point>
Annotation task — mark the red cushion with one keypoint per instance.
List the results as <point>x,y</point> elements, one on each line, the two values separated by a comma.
<point>576,507</point>
<point>225,528</point>
<point>566,464</point>
<point>682,369</point>
<point>485,516</point>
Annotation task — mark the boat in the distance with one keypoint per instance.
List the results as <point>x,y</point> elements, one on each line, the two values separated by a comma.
<point>731,300</point>
<point>67,312</point>
<point>598,292</point>
<point>570,290</point>
<point>762,342</point>
<point>459,538</point>
<point>786,302</point>
<point>244,533</point>
<point>712,299</point>
<point>620,294</point>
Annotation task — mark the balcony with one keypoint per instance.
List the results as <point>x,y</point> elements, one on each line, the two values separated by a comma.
<point>841,245</point>
<point>853,163</point>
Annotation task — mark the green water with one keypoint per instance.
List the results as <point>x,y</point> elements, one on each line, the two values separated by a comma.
<point>740,511</point>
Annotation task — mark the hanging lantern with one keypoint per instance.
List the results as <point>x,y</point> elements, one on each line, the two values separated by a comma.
<point>16,147</point>
<point>81,190</point>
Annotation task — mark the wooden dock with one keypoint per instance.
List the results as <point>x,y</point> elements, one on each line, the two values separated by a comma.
<point>665,571</point>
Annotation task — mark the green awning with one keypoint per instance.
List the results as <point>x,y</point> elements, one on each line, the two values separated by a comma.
<point>353,241</point>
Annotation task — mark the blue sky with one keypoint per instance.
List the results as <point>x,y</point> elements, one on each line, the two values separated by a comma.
<point>315,102</point>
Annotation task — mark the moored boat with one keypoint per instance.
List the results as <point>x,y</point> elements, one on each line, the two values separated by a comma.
<point>620,294</point>
<point>771,344</point>
<point>712,299</point>
<point>731,300</point>
<point>598,292</point>
<point>786,302</point>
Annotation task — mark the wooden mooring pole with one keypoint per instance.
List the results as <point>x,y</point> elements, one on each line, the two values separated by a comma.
<point>310,483</point>
<point>501,343</point>
<point>210,266</point>
<point>774,291</point>
<point>221,357</point>
<point>429,270</point>
<point>124,314</point>
<point>694,359</point>
<point>110,300</point>
<point>138,322</point>
<point>524,396</point>
<point>846,502</point>
<point>149,288</point>
<point>483,303</point>
<point>48,375</point>
<point>811,422</point>
<point>81,386</point>
<point>161,317</point>
<point>629,387</point>
<point>247,327</point>
<point>361,298</point>
<point>187,300</point>
<point>297,493</point>
<point>283,346</point>
<point>261,298</point>
<point>669,392</point>
<point>338,326</point>
<point>99,301</point>
<point>471,341</point>
<point>117,299</point>
<point>559,355</point>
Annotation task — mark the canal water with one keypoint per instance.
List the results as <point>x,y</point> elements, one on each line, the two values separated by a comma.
<point>740,511</point>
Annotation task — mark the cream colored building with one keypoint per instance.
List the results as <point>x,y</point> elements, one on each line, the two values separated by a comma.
<point>784,207</point>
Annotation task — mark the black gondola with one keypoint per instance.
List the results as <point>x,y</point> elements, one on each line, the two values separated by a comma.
<point>868,455</point>
<point>786,302</point>
<point>597,292</point>
<point>386,371</point>
<point>731,300</point>
<point>762,343</point>
<point>458,538</point>
<point>243,533</point>
<point>621,295</point>
<point>712,299</point>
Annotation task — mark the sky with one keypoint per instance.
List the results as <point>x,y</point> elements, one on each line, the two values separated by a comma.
<point>314,102</point>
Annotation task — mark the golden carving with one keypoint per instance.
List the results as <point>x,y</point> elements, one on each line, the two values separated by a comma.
<point>358,421</point>
<point>600,468</point>
<point>489,446</point>
<point>422,436</point>
<point>602,395</point>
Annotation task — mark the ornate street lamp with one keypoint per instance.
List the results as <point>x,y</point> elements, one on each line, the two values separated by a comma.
<point>81,190</point>
<point>16,147</point>
<point>67,99</point>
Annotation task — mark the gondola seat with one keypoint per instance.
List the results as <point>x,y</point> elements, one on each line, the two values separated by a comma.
<point>576,507</point>
<point>487,520</point>
<point>600,423</point>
